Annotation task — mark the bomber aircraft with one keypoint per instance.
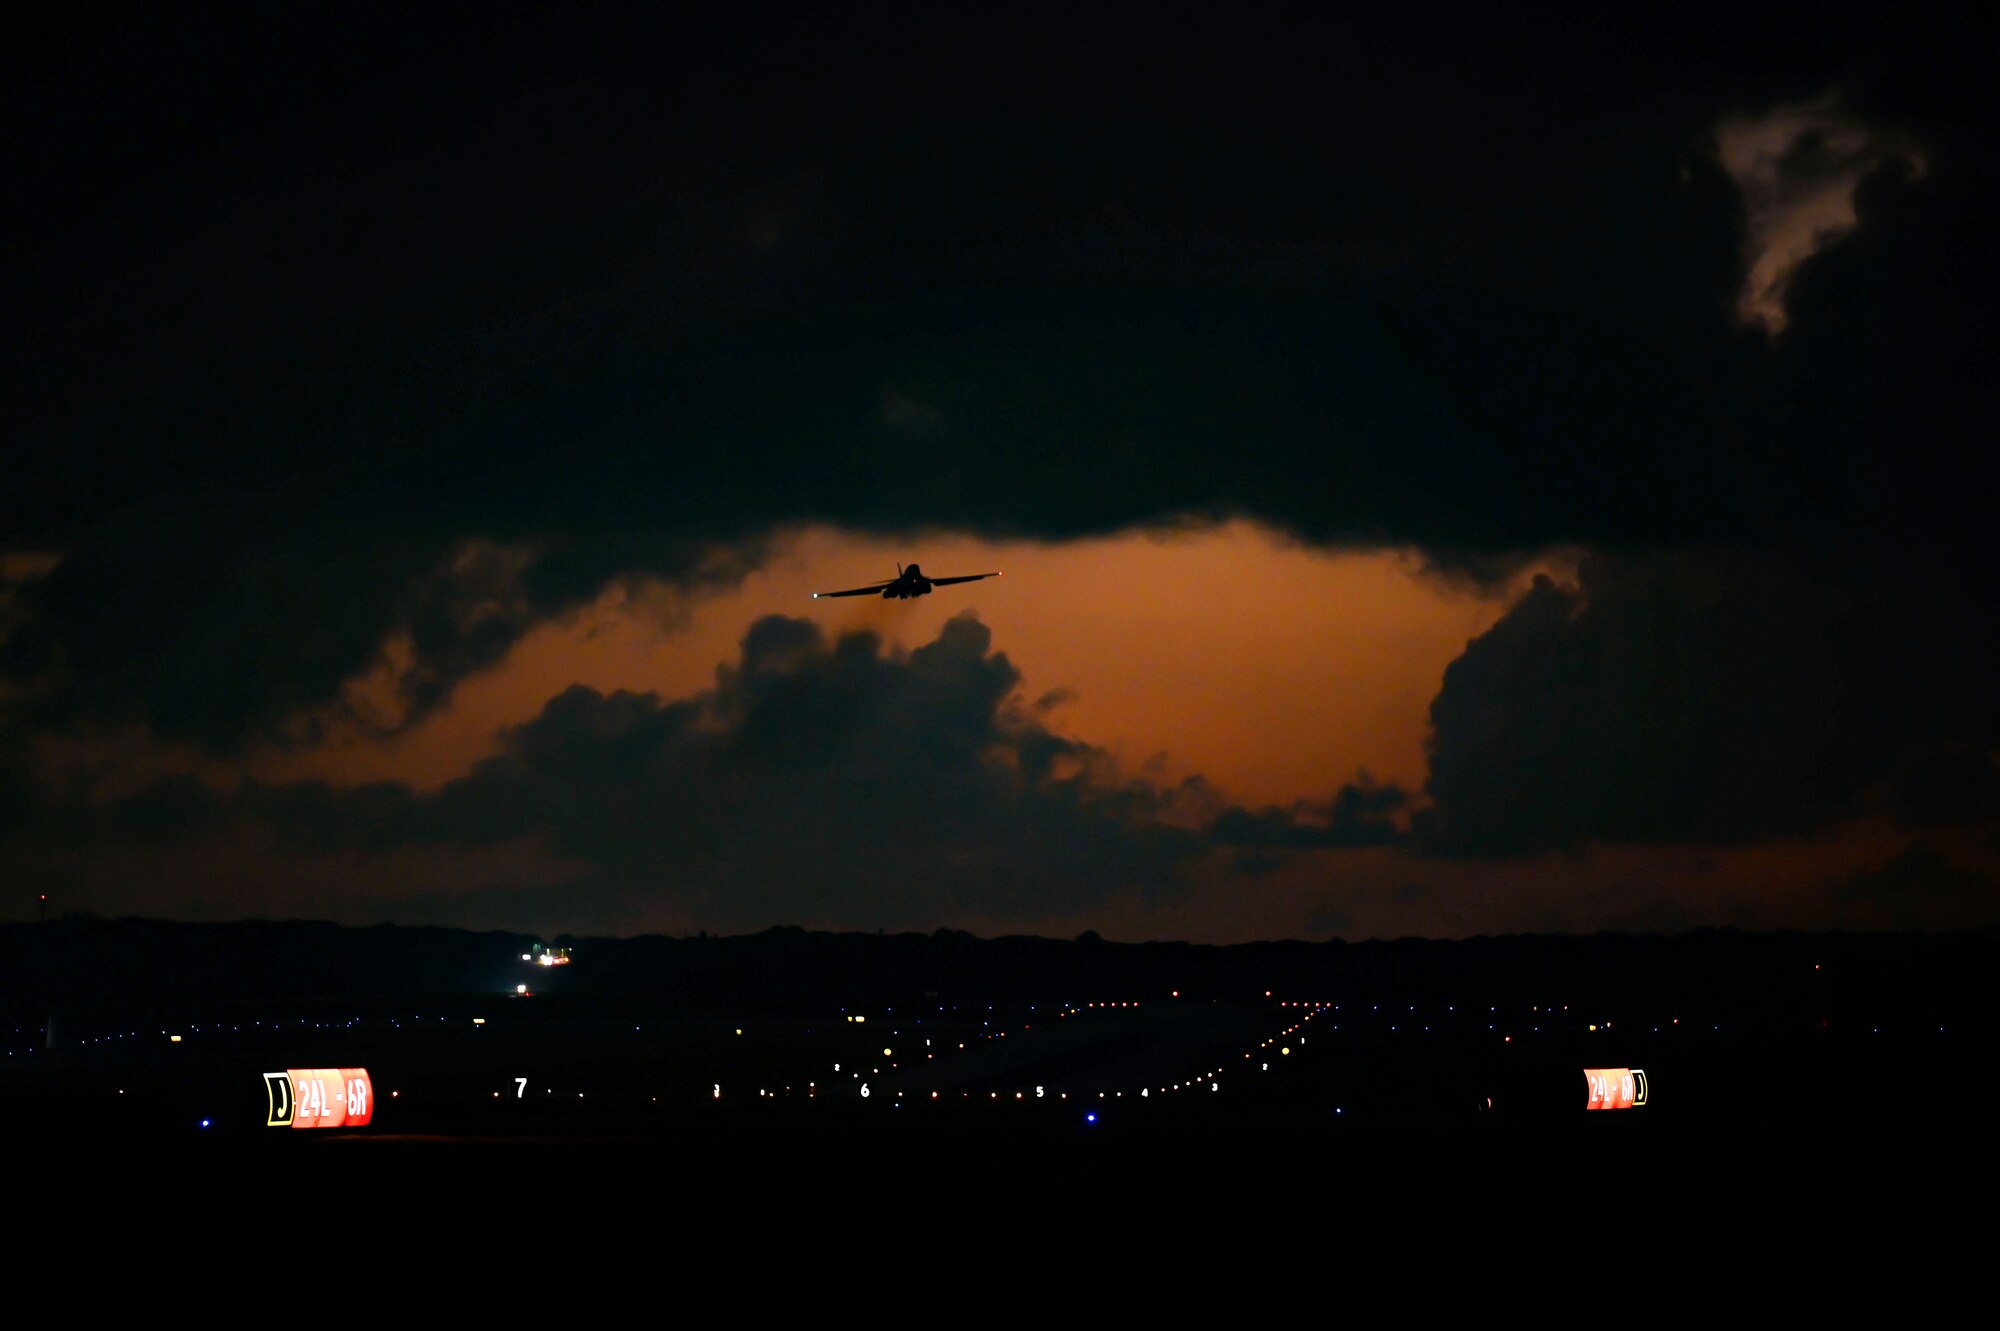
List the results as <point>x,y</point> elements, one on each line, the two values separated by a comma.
<point>908,582</point>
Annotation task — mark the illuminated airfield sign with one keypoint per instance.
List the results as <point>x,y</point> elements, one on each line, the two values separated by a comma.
<point>319,1098</point>
<point>1615,1088</point>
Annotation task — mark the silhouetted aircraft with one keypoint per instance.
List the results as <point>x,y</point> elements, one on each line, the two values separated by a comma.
<point>908,582</point>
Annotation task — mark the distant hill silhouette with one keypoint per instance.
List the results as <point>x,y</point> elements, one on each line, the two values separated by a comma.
<point>81,964</point>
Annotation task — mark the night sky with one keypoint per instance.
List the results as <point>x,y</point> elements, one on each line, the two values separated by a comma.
<point>1453,474</point>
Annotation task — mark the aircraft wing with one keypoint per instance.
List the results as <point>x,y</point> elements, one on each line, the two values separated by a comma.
<point>875,590</point>
<point>968,577</point>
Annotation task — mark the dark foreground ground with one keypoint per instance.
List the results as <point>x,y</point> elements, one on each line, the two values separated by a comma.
<point>1789,1159</point>
<point>794,1214</point>
<point>1818,1134</point>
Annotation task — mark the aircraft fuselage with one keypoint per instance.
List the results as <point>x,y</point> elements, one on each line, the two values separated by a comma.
<point>908,582</point>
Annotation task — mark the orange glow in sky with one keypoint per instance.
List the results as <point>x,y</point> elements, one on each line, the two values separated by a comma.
<point>1275,671</point>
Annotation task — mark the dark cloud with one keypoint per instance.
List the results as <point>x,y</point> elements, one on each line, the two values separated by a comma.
<point>317,307</point>
<point>19,792</point>
<point>1691,696</point>
<point>830,781</point>
<point>347,351</point>
<point>1262,841</point>
<point>225,624</point>
<point>1920,888</point>
<point>820,780</point>
<point>207,626</point>
<point>1954,785</point>
<point>1328,920</point>
<point>1361,814</point>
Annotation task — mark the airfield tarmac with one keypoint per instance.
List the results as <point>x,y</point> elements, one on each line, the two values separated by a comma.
<point>1367,1142</point>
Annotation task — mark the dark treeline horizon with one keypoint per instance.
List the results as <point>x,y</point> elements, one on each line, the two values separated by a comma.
<point>84,965</point>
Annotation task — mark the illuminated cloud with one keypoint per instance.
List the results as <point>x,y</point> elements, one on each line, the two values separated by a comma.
<point>1236,628</point>
<point>368,424</point>
<point>286,628</point>
<point>1798,168</point>
<point>824,781</point>
<point>833,781</point>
